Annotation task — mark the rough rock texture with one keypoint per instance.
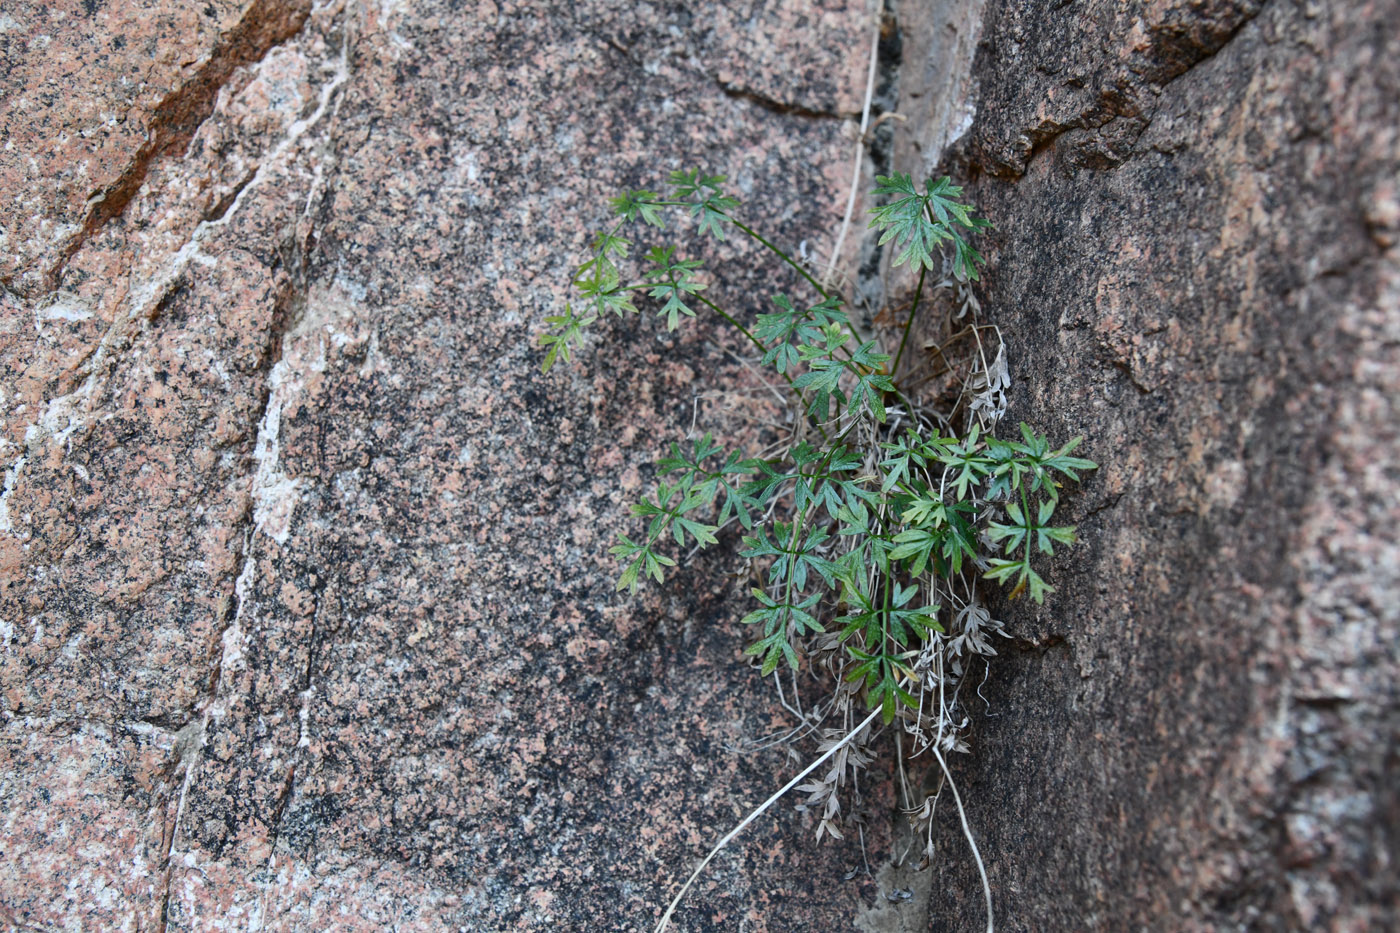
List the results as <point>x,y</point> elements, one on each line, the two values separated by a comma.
<point>1195,262</point>
<point>306,617</point>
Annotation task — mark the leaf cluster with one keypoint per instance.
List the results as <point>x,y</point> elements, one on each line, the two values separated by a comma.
<point>598,280</point>
<point>856,532</point>
<point>919,224</point>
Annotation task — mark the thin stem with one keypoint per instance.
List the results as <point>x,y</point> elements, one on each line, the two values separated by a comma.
<point>782,255</point>
<point>666,917</point>
<point>1026,517</point>
<point>755,235</point>
<point>741,328</point>
<point>860,152</point>
<point>794,543</point>
<point>908,325</point>
<point>967,832</point>
<point>757,343</point>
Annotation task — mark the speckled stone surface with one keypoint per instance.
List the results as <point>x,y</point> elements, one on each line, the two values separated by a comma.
<point>306,618</point>
<point>1197,210</point>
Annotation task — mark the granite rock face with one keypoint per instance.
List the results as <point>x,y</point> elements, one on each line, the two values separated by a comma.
<point>307,616</point>
<point>1195,262</point>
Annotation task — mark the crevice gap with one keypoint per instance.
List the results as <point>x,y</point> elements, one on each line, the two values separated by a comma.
<point>266,25</point>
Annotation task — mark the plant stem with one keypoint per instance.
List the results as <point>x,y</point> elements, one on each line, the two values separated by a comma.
<point>967,832</point>
<point>741,328</point>
<point>666,917</point>
<point>918,293</point>
<point>757,343</point>
<point>794,543</point>
<point>884,640</point>
<point>782,255</point>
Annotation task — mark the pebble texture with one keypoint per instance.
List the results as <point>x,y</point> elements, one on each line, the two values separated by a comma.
<point>1197,211</point>
<point>306,616</point>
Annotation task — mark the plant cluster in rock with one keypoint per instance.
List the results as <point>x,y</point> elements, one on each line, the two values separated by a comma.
<point>867,527</point>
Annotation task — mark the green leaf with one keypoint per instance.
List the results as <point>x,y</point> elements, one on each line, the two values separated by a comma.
<point>971,466</point>
<point>837,494</point>
<point>1067,465</point>
<point>667,266</point>
<point>783,331</point>
<point>605,293</point>
<point>714,214</point>
<point>871,381</point>
<point>775,645</point>
<point>610,244</point>
<point>965,260</point>
<point>633,204</point>
<point>915,545</point>
<point>1013,535</point>
<point>703,534</point>
<point>886,697</point>
<point>767,484</point>
<point>907,453</point>
<point>1063,534</point>
<point>674,306</point>
<point>823,379</point>
<point>1025,578</point>
<point>709,202</point>
<point>920,223</point>
<point>793,558</point>
<point>673,280</point>
<point>944,536</point>
<point>688,183</point>
<point>566,332</point>
<point>943,199</point>
<point>643,561</point>
<point>904,221</point>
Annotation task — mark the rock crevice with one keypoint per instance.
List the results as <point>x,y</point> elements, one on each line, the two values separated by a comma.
<point>265,25</point>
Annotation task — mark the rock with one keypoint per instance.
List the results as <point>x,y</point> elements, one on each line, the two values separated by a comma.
<point>308,621</point>
<point>1194,263</point>
<point>306,617</point>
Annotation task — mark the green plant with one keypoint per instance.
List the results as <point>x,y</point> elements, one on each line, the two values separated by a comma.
<point>868,528</point>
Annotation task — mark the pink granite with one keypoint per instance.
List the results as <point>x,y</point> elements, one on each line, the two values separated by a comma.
<point>308,621</point>
<point>1195,263</point>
